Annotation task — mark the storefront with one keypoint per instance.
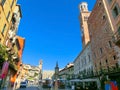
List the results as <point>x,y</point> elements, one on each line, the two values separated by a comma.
<point>86,83</point>
<point>4,73</point>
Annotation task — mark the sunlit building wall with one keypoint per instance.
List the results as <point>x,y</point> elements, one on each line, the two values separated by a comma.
<point>112,8</point>
<point>10,14</point>
<point>105,56</point>
<point>47,74</point>
<point>6,13</point>
<point>83,64</point>
<point>67,73</point>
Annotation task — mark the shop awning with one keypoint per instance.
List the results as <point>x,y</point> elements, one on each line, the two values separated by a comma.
<point>84,80</point>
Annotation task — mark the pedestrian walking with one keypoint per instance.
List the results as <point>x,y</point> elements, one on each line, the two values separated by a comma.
<point>15,85</point>
<point>49,86</point>
<point>73,87</point>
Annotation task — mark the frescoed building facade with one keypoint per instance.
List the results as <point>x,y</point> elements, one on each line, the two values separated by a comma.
<point>10,15</point>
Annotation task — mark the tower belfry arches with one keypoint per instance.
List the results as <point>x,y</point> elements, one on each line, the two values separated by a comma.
<point>83,6</point>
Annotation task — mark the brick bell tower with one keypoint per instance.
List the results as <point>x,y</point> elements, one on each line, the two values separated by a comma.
<point>84,14</point>
<point>56,71</point>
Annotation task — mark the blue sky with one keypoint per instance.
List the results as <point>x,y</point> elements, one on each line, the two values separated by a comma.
<point>51,29</point>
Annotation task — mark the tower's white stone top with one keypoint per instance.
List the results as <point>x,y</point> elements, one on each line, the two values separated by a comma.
<point>83,6</point>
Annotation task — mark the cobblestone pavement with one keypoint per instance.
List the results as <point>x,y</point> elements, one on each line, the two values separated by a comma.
<point>40,88</point>
<point>29,88</point>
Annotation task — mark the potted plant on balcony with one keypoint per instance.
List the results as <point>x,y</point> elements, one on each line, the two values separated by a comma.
<point>3,53</point>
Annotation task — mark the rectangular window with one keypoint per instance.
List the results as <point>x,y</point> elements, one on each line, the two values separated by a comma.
<point>85,18</point>
<point>119,30</point>
<point>117,65</point>
<point>110,44</point>
<point>14,18</point>
<point>106,61</point>
<point>12,3</point>
<point>3,2</point>
<point>109,1</point>
<point>3,28</point>
<point>116,11</point>
<point>100,64</point>
<point>89,57</point>
<point>108,68</point>
<point>114,57</point>
<point>84,61</point>
<point>103,17</point>
<point>8,15</point>
<point>101,51</point>
<point>95,55</point>
<point>95,65</point>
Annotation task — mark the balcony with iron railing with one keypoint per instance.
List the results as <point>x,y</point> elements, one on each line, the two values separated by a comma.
<point>13,65</point>
<point>5,55</point>
<point>111,70</point>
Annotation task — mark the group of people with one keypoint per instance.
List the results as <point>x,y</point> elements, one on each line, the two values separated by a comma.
<point>79,87</point>
<point>111,85</point>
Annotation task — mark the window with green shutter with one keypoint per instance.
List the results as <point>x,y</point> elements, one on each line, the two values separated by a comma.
<point>109,1</point>
<point>3,2</point>
<point>3,29</point>
<point>8,15</point>
<point>12,3</point>
<point>119,30</point>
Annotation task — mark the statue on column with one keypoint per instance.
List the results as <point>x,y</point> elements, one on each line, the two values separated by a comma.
<point>40,72</point>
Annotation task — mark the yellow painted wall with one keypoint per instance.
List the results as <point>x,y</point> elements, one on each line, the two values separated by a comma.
<point>4,10</point>
<point>6,7</point>
<point>2,23</point>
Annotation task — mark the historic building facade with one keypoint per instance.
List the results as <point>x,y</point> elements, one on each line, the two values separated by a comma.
<point>47,74</point>
<point>83,64</point>
<point>30,73</point>
<point>67,73</point>
<point>106,55</point>
<point>112,8</point>
<point>10,15</point>
<point>98,37</point>
<point>7,8</point>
